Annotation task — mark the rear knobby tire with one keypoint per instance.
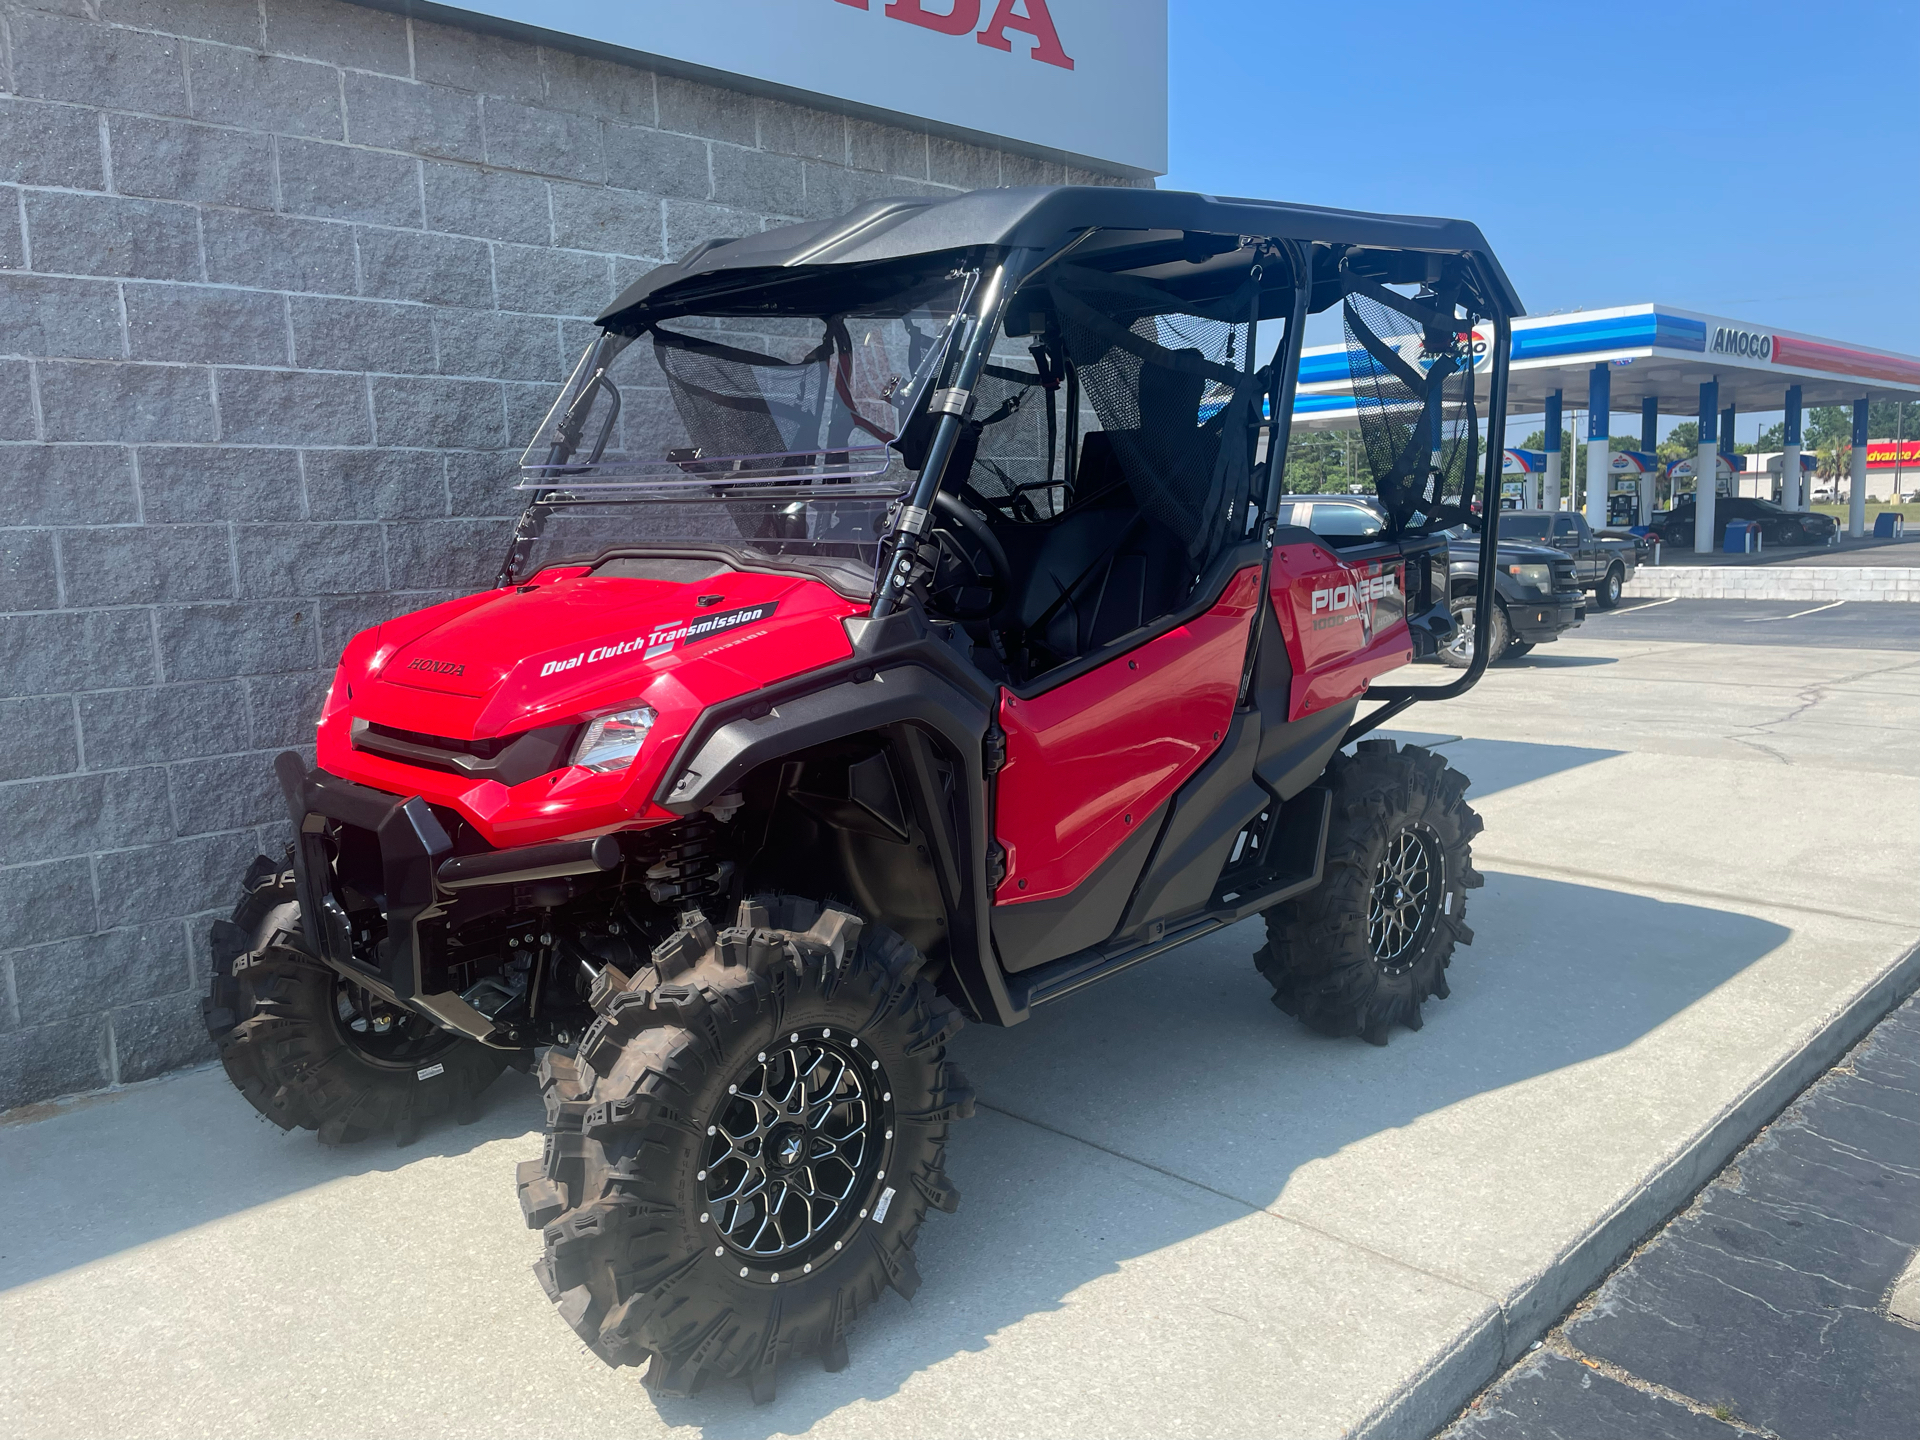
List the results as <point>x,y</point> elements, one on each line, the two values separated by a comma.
<point>283,1023</point>
<point>632,1192</point>
<point>1338,961</point>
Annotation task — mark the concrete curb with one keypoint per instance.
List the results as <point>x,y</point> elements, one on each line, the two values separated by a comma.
<point>1776,582</point>
<point>1432,1399</point>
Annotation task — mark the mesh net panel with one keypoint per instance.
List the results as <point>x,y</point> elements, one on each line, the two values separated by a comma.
<point>1418,437</point>
<point>1167,387</point>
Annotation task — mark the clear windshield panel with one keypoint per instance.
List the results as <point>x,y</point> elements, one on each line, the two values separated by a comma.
<point>731,406</point>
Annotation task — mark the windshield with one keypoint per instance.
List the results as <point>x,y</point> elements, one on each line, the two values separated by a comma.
<point>1523,527</point>
<point>762,431</point>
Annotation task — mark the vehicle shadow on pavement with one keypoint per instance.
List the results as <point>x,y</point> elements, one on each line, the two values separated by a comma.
<point>1537,661</point>
<point>1175,1100</point>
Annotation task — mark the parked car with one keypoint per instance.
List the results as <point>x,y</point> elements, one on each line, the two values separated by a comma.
<point>1539,597</point>
<point>1602,563</point>
<point>1777,526</point>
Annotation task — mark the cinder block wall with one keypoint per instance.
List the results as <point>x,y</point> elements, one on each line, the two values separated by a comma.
<point>282,283</point>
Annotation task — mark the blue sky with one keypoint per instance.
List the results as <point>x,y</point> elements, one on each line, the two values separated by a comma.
<point>1757,160</point>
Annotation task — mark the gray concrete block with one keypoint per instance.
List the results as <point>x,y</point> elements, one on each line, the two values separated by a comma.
<point>834,189</point>
<point>156,1036</point>
<point>374,485</point>
<point>615,222</point>
<point>551,282</point>
<point>705,110</point>
<point>499,345</point>
<point>38,737</point>
<point>420,119</point>
<point>292,407</point>
<point>206,324</point>
<point>167,882</point>
<point>527,406</point>
<point>689,222</point>
<point>464,200</point>
<point>44,144</point>
<point>891,149</point>
<point>264,92</point>
<point>57,58</point>
<point>108,235</point>
<point>311,559</point>
<point>50,654</point>
<point>1029,170</point>
<point>46,901</point>
<point>363,335</point>
<point>284,709</point>
<point>345,182</point>
<point>162,722</point>
<point>228,793</point>
<point>29,569</point>
<point>355,36</point>
<point>439,413</point>
<point>113,400</point>
<point>218,642</point>
<point>480,484</point>
<point>955,162</point>
<point>47,318</point>
<point>598,87</point>
<point>469,60</point>
<point>435,269</point>
<point>811,134</point>
<point>755,180</point>
<point>42,1061</point>
<point>13,244</point>
<point>207,483</point>
<point>16,401</point>
<point>460,555</point>
<point>341,619</point>
<point>77,815</point>
<point>173,160</point>
<point>144,564</point>
<point>71,977</point>
<point>66,485</point>
<point>218,20</point>
<point>546,142</point>
<point>275,252</point>
<point>663,163</point>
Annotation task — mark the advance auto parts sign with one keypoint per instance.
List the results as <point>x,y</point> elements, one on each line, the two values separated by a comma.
<point>662,639</point>
<point>1084,78</point>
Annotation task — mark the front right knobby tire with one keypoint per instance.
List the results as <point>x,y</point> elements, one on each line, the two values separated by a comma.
<point>633,1257</point>
<point>1325,964</point>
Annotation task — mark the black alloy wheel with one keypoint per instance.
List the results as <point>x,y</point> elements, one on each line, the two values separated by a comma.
<point>794,1148</point>
<point>1407,884</point>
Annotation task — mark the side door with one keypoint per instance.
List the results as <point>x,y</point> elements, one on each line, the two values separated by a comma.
<point>1090,762</point>
<point>1566,536</point>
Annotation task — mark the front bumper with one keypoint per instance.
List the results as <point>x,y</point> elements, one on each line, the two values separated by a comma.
<point>1536,621</point>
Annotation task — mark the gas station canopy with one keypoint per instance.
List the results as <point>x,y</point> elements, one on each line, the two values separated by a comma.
<point>1652,352</point>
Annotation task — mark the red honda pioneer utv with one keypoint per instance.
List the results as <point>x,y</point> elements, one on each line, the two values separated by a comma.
<point>898,630</point>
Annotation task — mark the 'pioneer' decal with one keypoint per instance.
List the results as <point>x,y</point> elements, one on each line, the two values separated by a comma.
<point>663,638</point>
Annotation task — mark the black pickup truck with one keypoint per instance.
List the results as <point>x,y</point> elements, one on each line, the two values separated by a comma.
<point>1602,564</point>
<point>1539,592</point>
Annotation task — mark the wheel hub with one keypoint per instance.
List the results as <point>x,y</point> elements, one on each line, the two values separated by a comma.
<point>1406,892</point>
<point>795,1145</point>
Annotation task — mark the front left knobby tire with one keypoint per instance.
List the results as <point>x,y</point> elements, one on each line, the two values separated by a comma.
<point>312,1051</point>
<point>741,1152</point>
<point>1365,948</point>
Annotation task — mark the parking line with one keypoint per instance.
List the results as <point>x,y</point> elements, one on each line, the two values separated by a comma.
<point>1766,619</point>
<point>1651,604</point>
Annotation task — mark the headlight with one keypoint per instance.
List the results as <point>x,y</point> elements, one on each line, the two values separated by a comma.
<point>1540,577</point>
<point>611,741</point>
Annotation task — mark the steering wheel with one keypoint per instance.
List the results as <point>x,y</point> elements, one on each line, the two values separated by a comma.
<point>971,558</point>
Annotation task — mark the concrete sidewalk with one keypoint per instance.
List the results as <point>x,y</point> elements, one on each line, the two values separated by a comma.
<point>1182,1214</point>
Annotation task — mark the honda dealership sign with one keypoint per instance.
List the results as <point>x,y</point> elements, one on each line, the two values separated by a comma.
<point>1080,77</point>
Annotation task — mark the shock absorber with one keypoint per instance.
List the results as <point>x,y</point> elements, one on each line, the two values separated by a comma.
<point>687,863</point>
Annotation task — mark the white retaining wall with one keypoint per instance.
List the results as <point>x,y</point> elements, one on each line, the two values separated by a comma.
<point>1777,582</point>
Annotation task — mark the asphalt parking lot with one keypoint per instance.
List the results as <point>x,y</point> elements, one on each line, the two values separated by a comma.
<point>1181,1213</point>
<point>1843,624</point>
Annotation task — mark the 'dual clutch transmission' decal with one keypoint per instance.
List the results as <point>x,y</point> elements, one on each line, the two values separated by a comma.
<point>663,638</point>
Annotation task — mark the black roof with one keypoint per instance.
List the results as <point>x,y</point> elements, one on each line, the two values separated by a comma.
<point>1044,217</point>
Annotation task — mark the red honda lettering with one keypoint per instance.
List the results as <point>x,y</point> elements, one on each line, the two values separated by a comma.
<point>962,18</point>
<point>1028,16</point>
